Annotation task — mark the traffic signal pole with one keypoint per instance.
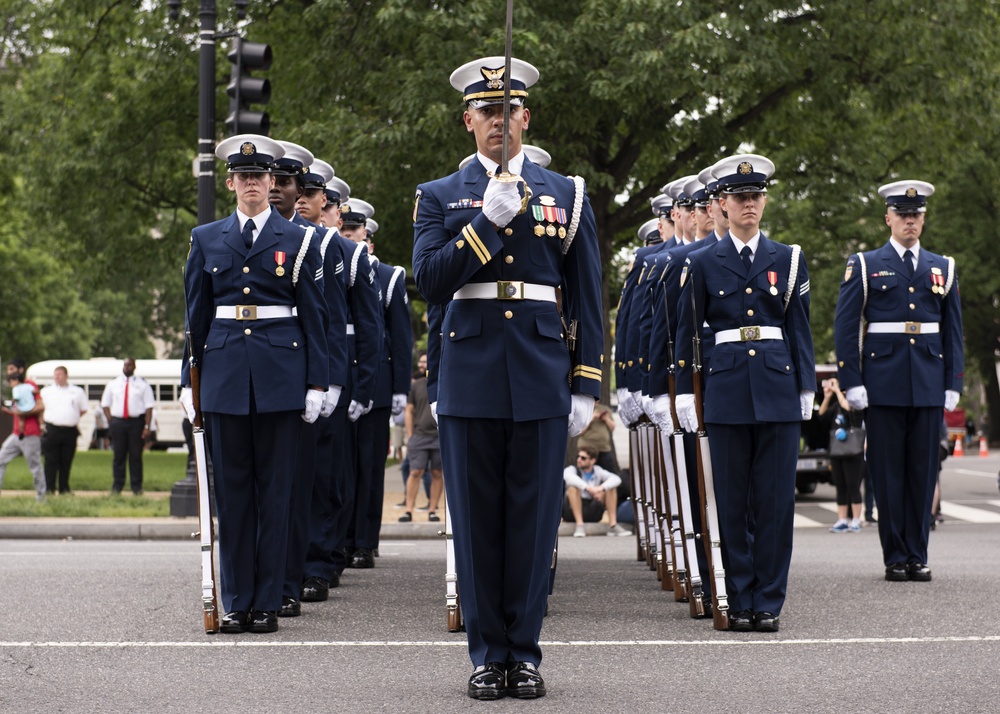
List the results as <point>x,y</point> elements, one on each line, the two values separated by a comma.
<point>206,113</point>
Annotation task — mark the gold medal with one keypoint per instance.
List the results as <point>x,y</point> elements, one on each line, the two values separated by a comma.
<point>539,230</point>
<point>562,232</point>
<point>279,271</point>
<point>773,290</point>
<point>550,230</point>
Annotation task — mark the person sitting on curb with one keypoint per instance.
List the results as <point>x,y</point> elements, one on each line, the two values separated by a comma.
<point>590,491</point>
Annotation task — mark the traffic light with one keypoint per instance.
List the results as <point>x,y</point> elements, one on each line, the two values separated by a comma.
<point>244,90</point>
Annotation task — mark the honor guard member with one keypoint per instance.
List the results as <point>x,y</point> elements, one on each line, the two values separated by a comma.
<point>898,336</point>
<point>330,518</point>
<point>313,199</point>
<point>506,380</point>
<point>663,208</point>
<point>754,295</point>
<point>392,384</point>
<point>257,317</point>
<point>315,470</point>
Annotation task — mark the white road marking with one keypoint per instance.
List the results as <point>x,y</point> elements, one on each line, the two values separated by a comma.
<point>966,513</point>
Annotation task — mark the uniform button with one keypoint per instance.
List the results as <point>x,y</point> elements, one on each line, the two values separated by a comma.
<point>508,231</point>
<point>460,244</point>
<point>912,306</point>
<point>508,314</point>
<point>885,287</point>
<point>215,270</point>
<point>873,354</point>
<point>246,291</point>
<point>787,368</point>
<point>246,269</point>
<point>750,313</point>
<point>295,344</point>
<point>752,352</point>
<point>451,334</point>
<point>749,291</point>
<point>246,331</point>
<point>913,341</point>
<point>640,359</point>
<point>722,292</point>
<point>561,336</point>
<point>910,288</point>
<point>509,259</point>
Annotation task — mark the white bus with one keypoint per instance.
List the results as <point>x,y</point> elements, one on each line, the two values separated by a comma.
<point>163,375</point>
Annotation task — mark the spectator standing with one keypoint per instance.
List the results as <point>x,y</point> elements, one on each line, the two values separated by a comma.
<point>423,448</point>
<point>848,471</point>
<point>128,405</point>
<point>590,491</point>
<point>25,439</point>
<point>65,403</point>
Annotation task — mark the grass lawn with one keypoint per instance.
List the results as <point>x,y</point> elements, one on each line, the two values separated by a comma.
<point>92,472</point>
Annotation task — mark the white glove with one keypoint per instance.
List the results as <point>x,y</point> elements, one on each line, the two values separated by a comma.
<point>434,411</point>
<point>331,400</point>
<point>501,202</point>
<point>646,403</point>
<point>355,411</point>
<point>806,398</point>
<point>314,404</point>
<point>857,397</point>
<point>187,401</point>
<point>398,403</point>
<point>371,404</point>
<point>580,413</point>
<point>686,413</point>
<point>951,399</point>
<point>623,412</point>
<point>660,413</point>
<point>398,419</point>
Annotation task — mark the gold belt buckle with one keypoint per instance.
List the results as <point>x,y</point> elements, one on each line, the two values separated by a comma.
<point>912,328</point>
<point>510,290</point>
<point>246,312</point>
<point>748,334</point>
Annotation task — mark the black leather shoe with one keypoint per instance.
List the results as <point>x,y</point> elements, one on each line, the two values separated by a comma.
<point>918,571</point>
<point>290,607</point>
<point>263,621</point>
<point>315,590</point>
<point>335,581</point>
<point>488,682</point>
<point>363,558</point>
<point>406,517</point>
<point>235,622</point>
<point>741,621</point>
<point>765,622</point>
<point>896,572</point>
<point>524,681</point>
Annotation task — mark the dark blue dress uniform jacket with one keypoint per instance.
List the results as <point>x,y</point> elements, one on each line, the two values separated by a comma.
<point>280,357</point>
<point>364,312</point>
<point>527,374</point>
<point>627,324</point>
<point>750,382</point>
<point>899,370</point>
<point>394,366</point>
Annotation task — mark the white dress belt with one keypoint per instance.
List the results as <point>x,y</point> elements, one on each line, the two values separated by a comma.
<point>904,328</point>
<point>749,334</point>
<point>505,290</point>
<point>254,312</point>
<point>350,328</point>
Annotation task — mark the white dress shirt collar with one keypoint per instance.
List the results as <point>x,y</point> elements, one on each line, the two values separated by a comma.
<point>258,221</point>
<point>514,164</point>
<point>753,242</point>
<point>901,250</point>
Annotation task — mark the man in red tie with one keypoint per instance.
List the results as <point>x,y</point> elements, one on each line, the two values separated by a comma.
<point>128,404</point>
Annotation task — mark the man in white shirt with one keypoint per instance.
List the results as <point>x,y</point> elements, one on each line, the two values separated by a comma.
<point>65,403</point>
<point>128,404</point>
<point>590,490</point>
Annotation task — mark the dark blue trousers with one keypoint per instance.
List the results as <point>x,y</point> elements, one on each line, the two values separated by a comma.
<point>903,462</point>
<point>253,456</point>
<point>298,522</point>
<point>754,473</point>
<point>327,498</point>
<point>346,474</point>
<point>372,451</point>
<point>504,488</point>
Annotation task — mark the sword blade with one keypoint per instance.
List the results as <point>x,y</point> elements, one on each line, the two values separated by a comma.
<point>507,50</point>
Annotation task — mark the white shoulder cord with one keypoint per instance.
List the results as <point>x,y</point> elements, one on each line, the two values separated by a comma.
<point>574,223</point>
<point>302,255</point>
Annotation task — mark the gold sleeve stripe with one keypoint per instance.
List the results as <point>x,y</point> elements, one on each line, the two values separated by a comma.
<point>477,244</point>
<point>587,373</point>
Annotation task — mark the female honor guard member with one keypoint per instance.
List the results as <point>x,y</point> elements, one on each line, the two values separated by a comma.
<point>506,380</point>
<point>754,295</point>
<point>904,365</point>
<point>256,316</point>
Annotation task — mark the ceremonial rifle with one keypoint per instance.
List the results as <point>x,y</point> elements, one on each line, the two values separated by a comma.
<point>634,466</point>
<point>452,605</point>
<point>706,487</point>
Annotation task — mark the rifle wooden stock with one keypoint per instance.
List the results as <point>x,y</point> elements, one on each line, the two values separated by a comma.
<point>209,598</point>
<point>706,493</point>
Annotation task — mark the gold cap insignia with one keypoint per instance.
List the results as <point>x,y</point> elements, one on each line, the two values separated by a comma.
<point>248,149</point>
<point>911,193</point>
<point>493,77</point>
<point>344,208</point>
<point>745,168</point>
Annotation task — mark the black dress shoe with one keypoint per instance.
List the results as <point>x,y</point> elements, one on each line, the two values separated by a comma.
<point>488,682</point>
<point>741,621</point>
<point>263,621</point>
<point>765,622</point>
<point>235,622</point>
<point>290,607</point>
<point>335,581</point>
<point>363,558</point>
<point>524,681</point>
<point>896,572</point>
<point>315,590</point>
<point>918,571</point>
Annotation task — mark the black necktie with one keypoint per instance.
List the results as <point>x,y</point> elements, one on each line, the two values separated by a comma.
<point>248,234</point>
<point>908,263</point>
<point>745,255</point>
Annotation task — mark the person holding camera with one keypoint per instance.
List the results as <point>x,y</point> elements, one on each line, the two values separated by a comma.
<point>847,456</point>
